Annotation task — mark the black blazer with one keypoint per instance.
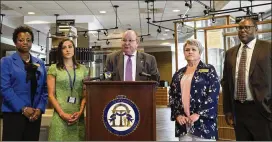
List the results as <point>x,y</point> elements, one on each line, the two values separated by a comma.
<point>259,78</point>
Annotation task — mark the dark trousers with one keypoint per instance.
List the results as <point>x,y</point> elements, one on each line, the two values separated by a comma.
<point>16,127</point>
<point>251,125</point>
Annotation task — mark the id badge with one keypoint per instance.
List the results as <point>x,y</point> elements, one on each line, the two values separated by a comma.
<point>71,100</point>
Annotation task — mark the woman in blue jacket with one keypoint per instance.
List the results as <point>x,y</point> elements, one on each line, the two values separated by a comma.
<point>193,97</point>
<point>23,80</point>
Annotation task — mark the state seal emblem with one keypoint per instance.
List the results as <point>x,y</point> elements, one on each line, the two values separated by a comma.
<point>121,116</point>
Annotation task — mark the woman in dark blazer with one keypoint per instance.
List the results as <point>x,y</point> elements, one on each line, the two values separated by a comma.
<point>23,79</point>
<point>193,97</point>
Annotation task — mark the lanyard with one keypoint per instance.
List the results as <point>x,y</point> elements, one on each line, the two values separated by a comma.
<point>72,84</point>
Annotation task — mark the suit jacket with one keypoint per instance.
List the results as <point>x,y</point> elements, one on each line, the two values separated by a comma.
<point>204,92</point>
<point>144,63</point>
<point>15,91</point>
<point>259,78</point>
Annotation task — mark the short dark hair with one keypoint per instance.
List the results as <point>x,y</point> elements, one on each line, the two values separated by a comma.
<point>22,29</point>
<point>60,64</point>
<point>252,20</point>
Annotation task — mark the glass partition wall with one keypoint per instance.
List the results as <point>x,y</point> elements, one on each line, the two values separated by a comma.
<point>217,34</point>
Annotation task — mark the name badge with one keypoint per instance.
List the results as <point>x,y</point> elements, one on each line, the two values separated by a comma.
<point>203,70</point>
<point>71,100</point>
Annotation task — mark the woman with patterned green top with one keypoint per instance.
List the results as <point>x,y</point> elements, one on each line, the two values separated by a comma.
<point>65,92</point>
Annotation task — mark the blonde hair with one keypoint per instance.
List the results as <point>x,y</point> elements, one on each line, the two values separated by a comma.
<point>194,42</point>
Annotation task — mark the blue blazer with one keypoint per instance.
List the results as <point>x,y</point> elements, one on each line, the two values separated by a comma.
<point>15,91</point>
<point>204,98</point>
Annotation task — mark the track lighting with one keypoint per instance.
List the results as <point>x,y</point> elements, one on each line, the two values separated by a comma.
<point>106,33</point>
<point>141,39</point>
<point>159,30</point>
<point>213,19</point>
<point>206,12</point>
<point>188,5</point>
<point>248,12</point>
<point>85,35</point>
<point>107,42</point>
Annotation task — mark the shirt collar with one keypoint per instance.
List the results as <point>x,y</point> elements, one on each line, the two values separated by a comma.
<point>251,44</point>
<point>133,54</point>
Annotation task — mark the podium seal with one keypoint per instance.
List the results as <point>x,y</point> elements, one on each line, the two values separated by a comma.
<point>121,116</point>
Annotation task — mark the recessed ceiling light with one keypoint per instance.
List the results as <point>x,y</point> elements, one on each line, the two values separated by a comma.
<point>166,30</point>
<point>31,13</point>
<point>176,10</point>
<point>102,12</point>
<point>165,34</point>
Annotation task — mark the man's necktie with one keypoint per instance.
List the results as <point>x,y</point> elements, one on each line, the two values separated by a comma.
<point>128,76</point>
<point>241,81</point>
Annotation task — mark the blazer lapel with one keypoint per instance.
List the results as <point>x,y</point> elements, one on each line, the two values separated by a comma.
<point>233,61</point>
<point>120,64</point>
<point>139,65</point>
<point>18,61</point>
<point>254,57</point>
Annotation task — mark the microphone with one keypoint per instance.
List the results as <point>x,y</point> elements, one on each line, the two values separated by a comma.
<point>149,76</point>
<point>101,77</point>
<point>108,75</point>
<point>145,74</point>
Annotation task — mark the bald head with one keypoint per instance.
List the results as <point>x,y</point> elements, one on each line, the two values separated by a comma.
<point>130,42</point>
<point>132,32</point>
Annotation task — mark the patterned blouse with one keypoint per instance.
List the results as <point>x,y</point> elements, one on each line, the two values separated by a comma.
<point>203,101</point>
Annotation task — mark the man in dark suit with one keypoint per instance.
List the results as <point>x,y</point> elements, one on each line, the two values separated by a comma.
<point>246,83</point>
<point>128,63</point>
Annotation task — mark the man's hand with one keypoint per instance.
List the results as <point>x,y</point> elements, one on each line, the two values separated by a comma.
<point>229,118</point>
<point>182,119</point>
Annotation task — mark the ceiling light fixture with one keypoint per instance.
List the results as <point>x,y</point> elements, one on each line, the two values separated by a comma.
<point>85,35</point>
<point>213,19</point>
<point>188,4</point>
<point>107,42</point>
<point>31,13</point>
<point>141,39</point>
<point>102,12</point>
<point>106,33</point>
<point>176,10</point>
<point>159,30</point>
<point>166,30</point>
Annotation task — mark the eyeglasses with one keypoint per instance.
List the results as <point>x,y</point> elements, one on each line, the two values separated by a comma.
<point>247,28</point>
<point>130,41</point>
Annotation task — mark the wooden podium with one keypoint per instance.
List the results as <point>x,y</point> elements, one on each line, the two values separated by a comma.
<point>110,106</point>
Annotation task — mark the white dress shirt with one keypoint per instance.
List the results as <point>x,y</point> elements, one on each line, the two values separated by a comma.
<point>249,52</point>
<point>133,59</point>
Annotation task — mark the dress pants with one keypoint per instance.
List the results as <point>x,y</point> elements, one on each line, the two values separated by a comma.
<point>250,124</point>
<point>17,127</point>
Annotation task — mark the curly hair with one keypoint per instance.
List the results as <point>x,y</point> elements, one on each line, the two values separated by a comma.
<point>22,29</point>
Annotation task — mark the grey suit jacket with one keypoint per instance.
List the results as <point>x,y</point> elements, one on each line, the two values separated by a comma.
<point>144,63</point>
<point>259,78</point>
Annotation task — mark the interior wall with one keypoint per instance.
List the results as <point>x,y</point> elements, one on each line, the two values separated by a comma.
<point>164,63</point>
